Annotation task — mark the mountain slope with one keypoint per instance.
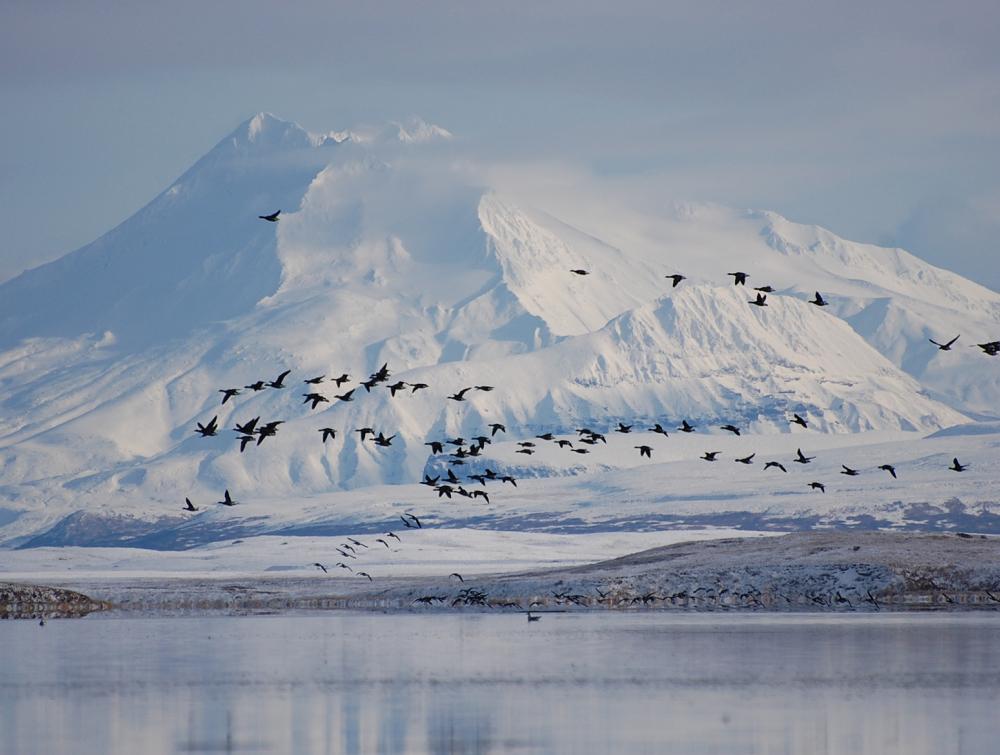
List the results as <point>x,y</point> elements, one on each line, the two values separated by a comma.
<point>383,254</point>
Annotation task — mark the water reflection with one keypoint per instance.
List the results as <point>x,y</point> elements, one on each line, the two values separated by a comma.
<point>483,684</point>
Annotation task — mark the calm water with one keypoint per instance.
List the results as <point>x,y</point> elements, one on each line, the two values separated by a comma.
<point>444,684</point>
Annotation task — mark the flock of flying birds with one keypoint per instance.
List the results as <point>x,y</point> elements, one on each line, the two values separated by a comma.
<point>256,432</point>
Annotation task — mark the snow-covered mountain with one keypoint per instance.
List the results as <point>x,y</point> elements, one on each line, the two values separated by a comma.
<point>385,252</point>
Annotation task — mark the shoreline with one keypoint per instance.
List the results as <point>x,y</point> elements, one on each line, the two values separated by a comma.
<point>813,571</point>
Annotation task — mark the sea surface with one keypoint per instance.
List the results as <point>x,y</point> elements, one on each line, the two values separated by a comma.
<point>446,683</point>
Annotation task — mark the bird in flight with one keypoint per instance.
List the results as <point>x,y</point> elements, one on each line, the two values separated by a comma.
<point>228,393</point>
<point>189,506</point>
<point>819,301</point>
<point>623,428</point>
<point>848,471</point>
<point>992,348</point>
<point>944,346</point>
<point>456,574</point>
<point>496,427</point>
<point>686,428</point>
<point>460,396</point>
<point>207,431</point>
<point>675,278</point>
<point>746,459</point>
<point>328,433</point>
<point>316,399</point>
<point>416,521</point>
<point>320,566</point>
<point>273,217</point>
<point>818,486</point>
<point>890,469</point>
<point>764,289</point>
<point>341,380</point>
<point>776,465</point>
<point>346,396</point>
<point>580,272</point>
<point>257,386</point>
<point>646,451</point>
<point>797,420</point>
<point>244,440</point>
<point>710,456</point>
<point>247,428</point>
<point>731,428</point>
<point>416,387</point>
<point>658,428</point>
<point>739,279</point>
<point>760,301</point>
<point>279,382</point>
<point>365,574</point>
<point>227,499</point>
<point>801,458</point>
<point>956,467</point>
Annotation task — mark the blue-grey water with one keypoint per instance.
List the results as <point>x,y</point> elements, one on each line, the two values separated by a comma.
<point>605,683</point>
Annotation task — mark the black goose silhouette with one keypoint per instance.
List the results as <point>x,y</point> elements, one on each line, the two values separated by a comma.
<point>819,301</point>
<point>739,279</point>
<point>675,278</point>
<point>944,346</point>
<point>273,217</point>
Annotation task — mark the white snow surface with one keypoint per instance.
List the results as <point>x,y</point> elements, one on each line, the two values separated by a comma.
<point>386,252</point>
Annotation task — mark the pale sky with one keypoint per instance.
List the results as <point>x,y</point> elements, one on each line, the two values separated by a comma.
<point>880,123</point>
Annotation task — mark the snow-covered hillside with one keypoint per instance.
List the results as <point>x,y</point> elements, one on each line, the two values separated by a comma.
<point>387,253</point>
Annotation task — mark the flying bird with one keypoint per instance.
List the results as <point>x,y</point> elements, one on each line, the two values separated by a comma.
<point>486,388</point>
<point>316,399</point>
<point>380,540</point>
<point>207,431</point>
<point>496,427</point>
<point>393,534</point>
<point>890,469</point>
<point>436,446</point>
<point>460,396</point>
<point>328,433</point>
<point>580,272</point>
<point>776,465</point>
<point>992,348</point>
<point>244,440</point>
<point>739,279</point>
<point>346,396</point>
<point>819,301</point>
<point>257,386</point>
<point>675,278</point>
<point>658,428</point>
<point>415,521</point>
<point>802,459</point>
<point>645,451</point>
<point>341,380</point>
<point>273,217</point>
<point>818,486</point>
<point>848,471</point>
<point>456,574</point>
<point>624,428</point>
<point>397,386</point>
<point>315,380</point>
<point>246,428</point>
<point>365,574</point>
<point>279,382</point>
<point>227,499</point>
<point>710,455</point>
<point>797,420</point>
<point>956,467</point>
<point>746,459</point>
<point>731,428</point>
<point>764,289</point>
<point>365,432</point>
<point>189,506</point>
<point>944,346</point>
<point>416,387</point>
<point>686,428</point>
<point>228,393</point>
<point>320,566</point>
<point>760,301</point>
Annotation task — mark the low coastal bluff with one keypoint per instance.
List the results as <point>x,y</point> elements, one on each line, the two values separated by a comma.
<point>20,601</point>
